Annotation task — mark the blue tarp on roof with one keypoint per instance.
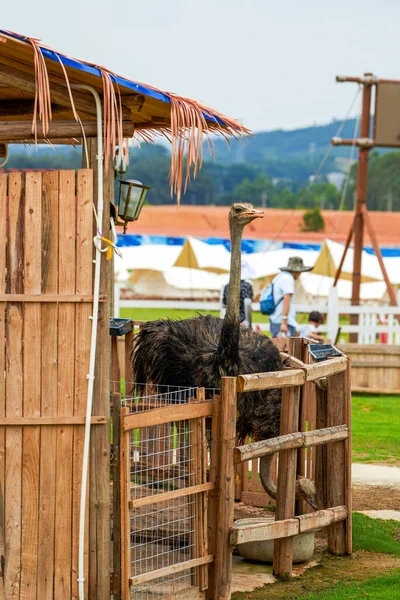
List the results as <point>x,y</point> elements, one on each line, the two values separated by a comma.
<point>139,88</point>
<point>248,246</point>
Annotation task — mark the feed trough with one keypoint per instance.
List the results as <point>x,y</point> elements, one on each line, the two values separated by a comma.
<point>263,551</point>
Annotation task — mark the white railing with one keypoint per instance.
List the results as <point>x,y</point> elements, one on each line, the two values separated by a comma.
<point>373,320</point>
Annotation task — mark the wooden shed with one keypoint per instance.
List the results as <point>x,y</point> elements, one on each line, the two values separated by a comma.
<point>47,306</point>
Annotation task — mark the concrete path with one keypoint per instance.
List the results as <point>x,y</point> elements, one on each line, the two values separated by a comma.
<point>393,515</point>
<point>365,474</point>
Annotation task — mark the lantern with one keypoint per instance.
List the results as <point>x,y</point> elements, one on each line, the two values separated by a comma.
<point>132,196</point>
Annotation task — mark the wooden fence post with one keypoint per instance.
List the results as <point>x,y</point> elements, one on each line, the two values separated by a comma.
<point>116,474</point>
<point>128,375</point>
<point>285,498</point>
<point>125,498</point>
<point>226,490</point>
<point>320,452</point>
<point>99,486</point>
<point>336,468</point>
<point>213,494</point>
<point>347,445</point>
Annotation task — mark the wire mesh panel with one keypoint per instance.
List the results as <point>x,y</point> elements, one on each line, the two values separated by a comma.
<point>166,476</point>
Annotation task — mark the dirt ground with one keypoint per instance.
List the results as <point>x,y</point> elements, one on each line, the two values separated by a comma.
<point>374,497</point>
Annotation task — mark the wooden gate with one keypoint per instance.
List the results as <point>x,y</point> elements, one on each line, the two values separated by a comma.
<point>46,251</point>
<point>164,493</point>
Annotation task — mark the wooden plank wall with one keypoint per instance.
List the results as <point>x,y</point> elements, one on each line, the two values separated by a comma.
<point>375,368</point>
<point>47,221</point>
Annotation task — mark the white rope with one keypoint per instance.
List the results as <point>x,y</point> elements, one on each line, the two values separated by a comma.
<point>5,157</point>
<point>345,183</point>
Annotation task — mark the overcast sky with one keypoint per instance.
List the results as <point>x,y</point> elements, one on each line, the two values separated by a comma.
<point>271,64</point>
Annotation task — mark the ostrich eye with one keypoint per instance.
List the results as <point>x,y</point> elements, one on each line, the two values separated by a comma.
<point>238,209</point>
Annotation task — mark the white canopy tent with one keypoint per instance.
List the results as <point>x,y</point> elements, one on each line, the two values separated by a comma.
<point>200,270</point>
<point>267,264</point>
<point>331,254</point>
<point>315,288</point>
<point>196,254</point>
<point>177,282</point>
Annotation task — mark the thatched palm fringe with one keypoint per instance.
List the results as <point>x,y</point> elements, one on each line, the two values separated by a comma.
<point>191,122</point>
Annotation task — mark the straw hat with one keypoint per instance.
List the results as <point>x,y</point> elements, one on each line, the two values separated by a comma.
<point>295,264</point>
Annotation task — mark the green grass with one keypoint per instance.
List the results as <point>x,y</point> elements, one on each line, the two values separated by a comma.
<point>376,426</point>
<point>376,535</point>
<point>150,314</point>
<point>370,535</point>
<point>379,588</point>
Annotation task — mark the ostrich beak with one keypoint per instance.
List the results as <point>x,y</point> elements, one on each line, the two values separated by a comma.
<point>310,499</point>
<point>253,213</point>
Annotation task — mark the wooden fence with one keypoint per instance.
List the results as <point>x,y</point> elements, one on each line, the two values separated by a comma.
<point>46,252</point>
<point>332,440</point>
<point>375,368</point>
<point>248,483</point>
<point>330,413</point>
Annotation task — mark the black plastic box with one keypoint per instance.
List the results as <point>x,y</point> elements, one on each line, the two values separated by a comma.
<point>323,351</point>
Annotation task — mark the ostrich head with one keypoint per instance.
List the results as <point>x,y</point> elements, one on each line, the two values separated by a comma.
<point>304,489</point>
<point>241,214</point>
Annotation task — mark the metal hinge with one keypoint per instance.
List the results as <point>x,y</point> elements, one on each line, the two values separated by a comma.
<point>113,587</point>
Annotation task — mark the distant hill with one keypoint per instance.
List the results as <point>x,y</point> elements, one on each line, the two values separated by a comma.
<point>308,144</point>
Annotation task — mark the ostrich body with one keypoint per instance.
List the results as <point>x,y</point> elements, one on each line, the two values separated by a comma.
<point>197,352</point>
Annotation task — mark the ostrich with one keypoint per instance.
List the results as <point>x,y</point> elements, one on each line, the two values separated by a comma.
<point>197,352</point>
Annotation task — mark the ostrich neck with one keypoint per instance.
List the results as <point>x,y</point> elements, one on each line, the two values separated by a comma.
<point>227,355</point>
<point>233,303</point>
<point>265,475</point>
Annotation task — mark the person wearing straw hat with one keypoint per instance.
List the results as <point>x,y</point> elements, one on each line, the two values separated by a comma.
<point>283,319</point>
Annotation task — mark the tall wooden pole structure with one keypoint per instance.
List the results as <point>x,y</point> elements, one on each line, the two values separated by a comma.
<point>361,218</point>
<point>361,202</point>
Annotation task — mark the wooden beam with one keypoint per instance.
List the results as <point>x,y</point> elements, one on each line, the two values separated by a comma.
<point>164,496</point>
<point>326,368</point>
<point>290,441</point>
<point>274,379</point>
<point>260,532</point>
<point>22,107</point>
<point>22,130</point>
<point>11,77</point>
<point>47,298</point>
<point>171,570</point>
<point>168,414</point>
<point>36,421</point>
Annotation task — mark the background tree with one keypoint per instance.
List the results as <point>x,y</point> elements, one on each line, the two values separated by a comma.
<point>313,220</point>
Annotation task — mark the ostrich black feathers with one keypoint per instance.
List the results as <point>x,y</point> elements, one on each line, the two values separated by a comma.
<point>193,352</point>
